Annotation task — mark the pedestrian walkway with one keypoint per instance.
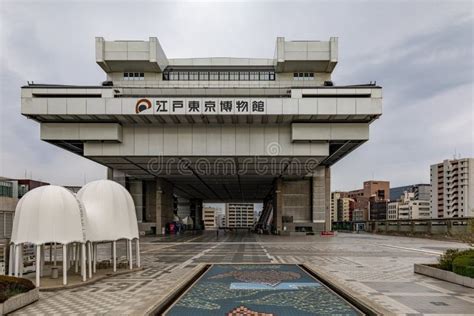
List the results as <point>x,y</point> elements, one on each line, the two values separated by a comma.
<point>380,267</point>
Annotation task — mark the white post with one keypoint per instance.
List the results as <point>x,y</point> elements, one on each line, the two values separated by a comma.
<point>42,259</point>
<point>38,265</point>
<point>17,258</point>
<point>137,249</point>
<point>50,252</point>
<point>94,256</point>
<point>126,250</point>
<point>65,264</point>
<point>114,255</point>
<point>55,255</point>
<point>130,256</point>
<point>10,260</point>
<point>76,256</point>
<point>22,266</point>
<point>83,261</point>
<point>89,261</point>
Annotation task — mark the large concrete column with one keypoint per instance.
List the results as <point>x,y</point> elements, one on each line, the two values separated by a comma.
<point>196,213</point>
<point>164,204</point>
<point>116,175</point>
<point>321,204</point>
<point>136,190</point>
<point>278,205</point>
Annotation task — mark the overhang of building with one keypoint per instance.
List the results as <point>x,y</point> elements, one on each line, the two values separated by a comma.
<point>122,56</point>
<point>103,132</point>
<point>306,132</point>
<point>301,56</point>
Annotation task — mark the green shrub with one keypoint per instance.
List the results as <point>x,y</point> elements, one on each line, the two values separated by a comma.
<point>10,286</point>
<point>464,265</point>
<point>446,259</point>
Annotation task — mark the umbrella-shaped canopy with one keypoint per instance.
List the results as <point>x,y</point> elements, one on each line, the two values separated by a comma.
<point>48,214</point>
<point>110,211</point>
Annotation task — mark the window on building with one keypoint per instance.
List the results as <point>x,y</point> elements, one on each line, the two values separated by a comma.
<point>213,75</point>
<point>133,76</point>
<point>174,76</point>
<point>244,75</point>
<point>224,75</point>
<point>265,75</point>
<point>303,76</point>
<point>193,75</point>
<point>254,75</point>
<point>234,76</point>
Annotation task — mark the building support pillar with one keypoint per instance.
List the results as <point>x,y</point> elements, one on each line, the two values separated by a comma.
<point>136,191</point>
<point>195,207</point>
<point>278,206</point>
<point>321,197</point>
<point>164,204</point>
<point>116,175</point>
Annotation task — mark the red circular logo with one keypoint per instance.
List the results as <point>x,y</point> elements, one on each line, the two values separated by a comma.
<point>142,105</point>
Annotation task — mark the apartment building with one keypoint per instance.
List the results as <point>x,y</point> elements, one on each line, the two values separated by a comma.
<point>210,217</point>
<point>239,215</point>
<point>408,207</point>
<point>452,184</point>
<point>345,207</point>
<point>421,191</point>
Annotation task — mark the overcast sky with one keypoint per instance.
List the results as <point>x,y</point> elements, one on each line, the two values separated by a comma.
<point>420,52</point>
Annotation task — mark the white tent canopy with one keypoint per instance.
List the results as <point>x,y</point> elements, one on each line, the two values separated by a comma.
<point>103,211</point>
<point>110,211</point>
<point>48,214</point>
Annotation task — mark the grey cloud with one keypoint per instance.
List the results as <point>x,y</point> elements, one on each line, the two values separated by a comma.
<point>420,52</point>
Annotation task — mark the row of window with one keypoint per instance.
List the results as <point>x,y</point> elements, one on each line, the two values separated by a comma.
<point>6,189</point>
<point>220,75</point>
<point>303,76</point>
<point>133,76</point>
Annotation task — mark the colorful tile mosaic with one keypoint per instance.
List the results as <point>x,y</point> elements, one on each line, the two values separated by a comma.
<point>259,290</point>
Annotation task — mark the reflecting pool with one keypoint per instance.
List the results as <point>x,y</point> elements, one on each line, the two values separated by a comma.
<point>259,289</point>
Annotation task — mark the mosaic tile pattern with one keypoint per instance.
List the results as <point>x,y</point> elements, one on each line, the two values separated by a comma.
<point>271,289</point>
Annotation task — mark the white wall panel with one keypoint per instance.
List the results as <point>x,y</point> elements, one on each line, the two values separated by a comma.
<point>346,106</point>
<point>76,106</point>
<point>113,106</point>
<point>156,140</point>
<point>257,144</point>
<point>185,140</point>
<point>242,139</point>
<point>170,138</point>
<point>95,106</point>
<point>141,141</point>
<point>213,137</point>
<point>199,140</point>
<point>128,142</point>
<point>228,140</point>
<point>57,105</point>
<point>327,106</point>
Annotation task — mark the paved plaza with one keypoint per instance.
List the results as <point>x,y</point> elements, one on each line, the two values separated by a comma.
<point>377,267</point>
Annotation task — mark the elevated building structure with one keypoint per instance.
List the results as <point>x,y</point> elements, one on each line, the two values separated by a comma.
<point>213,129</point>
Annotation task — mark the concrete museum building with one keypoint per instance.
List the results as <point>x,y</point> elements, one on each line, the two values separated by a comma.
<point>213,129</point>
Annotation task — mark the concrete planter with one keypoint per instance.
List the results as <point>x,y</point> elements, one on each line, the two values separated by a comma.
<point>19,301</point>
<point>444,275</point>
